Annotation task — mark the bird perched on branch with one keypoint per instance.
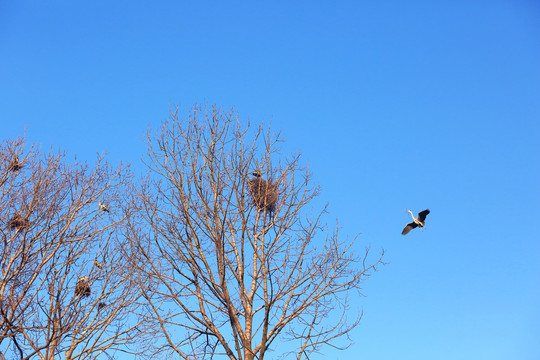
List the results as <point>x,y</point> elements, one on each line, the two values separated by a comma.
<point>103,207</point>
<point>419,221</point>
<point>98,264</point>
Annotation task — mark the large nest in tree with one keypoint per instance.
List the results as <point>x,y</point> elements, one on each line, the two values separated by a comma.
<point>264,194</point>
<point>83,288</point>
<point>18,222</point>
<point>15,164</point>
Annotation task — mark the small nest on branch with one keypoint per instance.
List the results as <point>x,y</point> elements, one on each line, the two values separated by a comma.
<point>101,305</point>
<point>264,194</point>
<point>18,222</point>
<point>15,164</point>
<point>83,288</point>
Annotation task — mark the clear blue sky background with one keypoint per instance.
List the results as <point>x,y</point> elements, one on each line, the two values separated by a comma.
<point>395,104</point>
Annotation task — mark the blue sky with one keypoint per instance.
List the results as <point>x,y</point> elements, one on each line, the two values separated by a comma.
<point>394,105</point>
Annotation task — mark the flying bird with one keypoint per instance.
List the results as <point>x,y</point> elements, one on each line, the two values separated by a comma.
<point>419,221</point>
<point>103,207</point>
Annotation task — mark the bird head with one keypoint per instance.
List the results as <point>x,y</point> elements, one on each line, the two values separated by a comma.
<point>256,173</point>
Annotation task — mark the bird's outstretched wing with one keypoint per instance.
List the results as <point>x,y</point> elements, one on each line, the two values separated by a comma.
<point>408,228</point>
<point>422,215</point>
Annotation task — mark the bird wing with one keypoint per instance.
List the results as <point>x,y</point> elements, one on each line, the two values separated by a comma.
<point>422,215</point>
<point>408,228</point>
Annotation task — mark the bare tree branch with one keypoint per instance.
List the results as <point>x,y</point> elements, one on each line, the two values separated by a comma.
<point>52,235</point>
<point>235,261</point>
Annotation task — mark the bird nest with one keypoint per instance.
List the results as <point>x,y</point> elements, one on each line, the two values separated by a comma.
<point>18,222</point>
<point>15,164</point>
<point>264,194</point>
<point>83,288</point>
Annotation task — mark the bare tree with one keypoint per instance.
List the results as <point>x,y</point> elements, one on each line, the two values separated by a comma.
<point>237,263</point>
<point>66,286</point>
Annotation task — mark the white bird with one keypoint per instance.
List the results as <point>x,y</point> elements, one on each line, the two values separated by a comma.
<point>103,207</point>
<point>82,278</point>
<point>419,221</point>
